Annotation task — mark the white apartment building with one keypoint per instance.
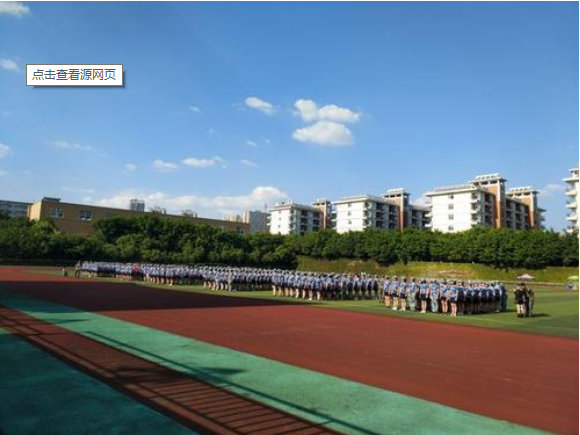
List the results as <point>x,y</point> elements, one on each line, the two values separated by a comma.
<point>357,213</point>
<point>484,201</point>
<point>573,200</point>
<point>458,208</point>
<point>291,218</point>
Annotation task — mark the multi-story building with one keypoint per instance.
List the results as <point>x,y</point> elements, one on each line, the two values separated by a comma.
<point>573,194</point>
<point>291,218</point>
<point>137,205</point>
<point>357,213</point>
<point>495,184</point>
<point>14,209</point>
<point>522,211</point>
<point>419,217</point>
<point>325,207</point>
<point>79,218</point>
<point>458,208</point>
<point>484,201</point>
<point>410,215</point>
<point>258,220</point>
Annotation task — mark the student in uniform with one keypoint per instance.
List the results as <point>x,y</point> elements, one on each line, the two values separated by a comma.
<point>443,290</point>
<point>434,296</point>
<point>356,287</point>
<point>387,291</point>
<point>376,289</point>
<point>504,298</point>
<point>453,298</point>
<point>461,298</point>
<point>395,294</point>
<point>403,294</point>
<point>423,294</point>
<point>532,302</point>
<point>412,295</point>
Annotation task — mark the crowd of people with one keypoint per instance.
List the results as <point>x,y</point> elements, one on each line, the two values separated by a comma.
<point>435,295</point>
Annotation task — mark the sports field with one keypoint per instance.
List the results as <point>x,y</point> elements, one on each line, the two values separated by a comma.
<point>127,358</point>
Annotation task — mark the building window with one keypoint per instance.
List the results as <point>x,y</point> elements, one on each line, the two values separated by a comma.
<point>349,205</point>
<point>350,222</point>
<point>450,217</point>
<point>450,227</point>
<point>85,215</point>
<point>348,213</point>
<point>450,206</point>
<point>451,196</point>
<point>56,213</point>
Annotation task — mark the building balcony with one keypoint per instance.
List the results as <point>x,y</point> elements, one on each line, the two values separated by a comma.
<point>572,217</point>
<point>572,204</point>
<point>571,192</point>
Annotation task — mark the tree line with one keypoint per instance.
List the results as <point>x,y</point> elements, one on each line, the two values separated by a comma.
<point>155,239</point>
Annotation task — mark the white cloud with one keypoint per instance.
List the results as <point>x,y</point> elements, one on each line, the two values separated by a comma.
<point>204,163</point>
<point>8,64</point>
<point>552,189</point>
<point>164,166</point>
<point>325,133</point>
<point>261,105</point>
<point>207,206</point>
<point>5,150</point>
<point>130,167</point>
<point>28,173</point>
<point>194,109</point>
<point>63,145</point>
<point>248,163</point>
<point>16,9</point>
<point>252,144</point>
<point>3,173</point>
<point>309,111</point>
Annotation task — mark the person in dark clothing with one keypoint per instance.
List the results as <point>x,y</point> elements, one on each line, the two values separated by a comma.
<point>519,299</point>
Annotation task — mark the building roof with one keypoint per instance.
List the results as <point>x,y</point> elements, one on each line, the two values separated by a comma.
<point>452,189</point>
<point>488,177</point>
<point>291,205</point>
<point>523,189</point>
<point>396,192</point>
<point>361,198</point>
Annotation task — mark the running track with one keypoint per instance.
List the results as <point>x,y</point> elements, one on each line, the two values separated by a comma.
<point>526,379</point>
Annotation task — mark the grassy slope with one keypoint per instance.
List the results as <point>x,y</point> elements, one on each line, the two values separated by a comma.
<point>556,309</point>
<point>447,270</point>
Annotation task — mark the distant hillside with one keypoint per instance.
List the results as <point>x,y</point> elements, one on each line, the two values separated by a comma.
<point>443,270</point>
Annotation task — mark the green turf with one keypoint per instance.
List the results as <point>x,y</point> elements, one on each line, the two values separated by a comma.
<point>41,395</point>
<point>556,309</point>
<point>344,405</point>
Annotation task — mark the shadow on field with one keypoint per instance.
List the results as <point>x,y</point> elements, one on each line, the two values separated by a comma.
<point>206,407</point>
<point>106,296</point>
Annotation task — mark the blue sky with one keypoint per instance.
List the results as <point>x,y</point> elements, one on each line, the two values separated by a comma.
<point>237,105</point>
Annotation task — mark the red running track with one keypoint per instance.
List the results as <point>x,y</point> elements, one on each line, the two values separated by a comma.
<point>526,379</point>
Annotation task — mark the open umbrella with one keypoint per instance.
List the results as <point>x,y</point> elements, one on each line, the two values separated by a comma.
<point>525,276</point>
